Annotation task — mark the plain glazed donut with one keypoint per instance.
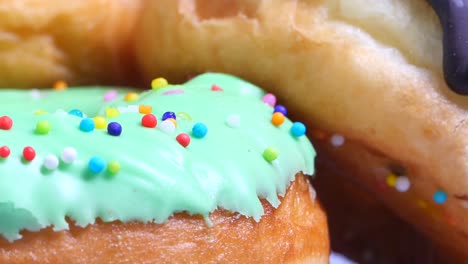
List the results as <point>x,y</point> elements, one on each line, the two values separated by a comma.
<point>371,73</point>
<point>196,172</point>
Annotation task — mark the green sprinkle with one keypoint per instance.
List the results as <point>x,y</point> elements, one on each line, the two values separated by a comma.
<point>270,154</point>
<point>43,127</point>
<point>114,167</point>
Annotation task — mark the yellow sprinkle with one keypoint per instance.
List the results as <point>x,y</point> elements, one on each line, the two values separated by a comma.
<point>145,109</point>
<point>112,112</point>
<point>158,83</point>
<point>391,179</point>
<point>114,167</point>
<point>40,112</point>
<point>100,122</point>
<point>130,97</point>
<point>173,121</point>
<point>60,85</point>
<point>184,116</point>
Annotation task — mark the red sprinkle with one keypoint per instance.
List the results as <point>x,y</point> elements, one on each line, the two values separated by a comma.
<point>216,88</point>
<point>29,153</point>
<point>183,139</point>
<point>5,122</point>
<point>149,120</point>
<point>4,152</point>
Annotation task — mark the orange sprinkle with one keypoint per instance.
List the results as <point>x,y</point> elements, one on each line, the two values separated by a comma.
<point>277,119</point>
<point>60,85</point>
<point>145,109</point>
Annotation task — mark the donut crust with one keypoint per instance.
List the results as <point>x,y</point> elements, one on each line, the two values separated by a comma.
<point>295,232</point>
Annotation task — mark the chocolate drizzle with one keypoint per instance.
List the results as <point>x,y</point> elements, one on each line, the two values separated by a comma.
<point>462,197</point>
<point>453,16</point>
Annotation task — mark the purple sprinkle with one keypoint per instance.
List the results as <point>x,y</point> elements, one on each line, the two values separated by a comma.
<point>174,91</point>
<point>110,95</point>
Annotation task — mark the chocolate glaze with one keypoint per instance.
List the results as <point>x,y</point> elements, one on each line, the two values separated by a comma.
<point>453,16</point>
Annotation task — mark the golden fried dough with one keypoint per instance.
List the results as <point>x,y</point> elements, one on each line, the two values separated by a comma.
<point>295,232</point>
<point>369,70</point>
<point>76,41</point>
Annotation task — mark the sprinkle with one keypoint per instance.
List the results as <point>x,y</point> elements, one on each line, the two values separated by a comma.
<point>440,197</point>
<point>281,109</point>
<point>36,94</point>
<point>68,155</point>
<point>337,140</point>
<point>130,97</point>
<point>76,112</point>
<point>110,95</point>
<point>87,125</point>
<point>183,139</point>
<point>402,184</point>
<point>40,112</point>
<point>114,167</point>
<point>100,122</point>
<point>167,126</point>
<point>112,112</point>
<point>270,154</point>
<point>114,129</point>
<point>133,108</point>
<point>298,129</point>
<point>51,162</point>
<point>174,91</point>
<point>43,127</point>
<point>277,118</point>
<point>184,115</point>
<point>60,85</point>
<point>172,120</point>
<point>216,88</point>
<point>167,115</point>
<point>4,152</point>
<point>199,130</point>
<point>159,83</point>
<point>149,120</point>
<point>96,164</point>
<point>29,153</point>
<point>233,120</point>
<point>391,180</point>
<point>269,99</point>
<point>145,109</point>
<point>6,123</point>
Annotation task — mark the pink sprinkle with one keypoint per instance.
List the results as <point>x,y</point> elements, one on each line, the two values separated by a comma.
<point>174,91</point>
<point>216,88</point>
<point>111,95</point>
<point>269,99</point>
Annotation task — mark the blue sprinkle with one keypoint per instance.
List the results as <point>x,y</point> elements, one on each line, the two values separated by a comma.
<point>298,129</point>
<point>169,115</point>
<point>76,112</point>
<point>114,129</point>
<point>281,109</point>
<point>440,197</point>
<point>87,125</point>
<point>96,164</point>
<point>199,130</point>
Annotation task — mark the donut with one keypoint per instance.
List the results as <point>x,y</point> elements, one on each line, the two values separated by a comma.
<point>209,171</point>
<point>79,42</point>
<point>368,77</point>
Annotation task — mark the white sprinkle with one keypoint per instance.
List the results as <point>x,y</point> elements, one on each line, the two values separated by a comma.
<point>123,109</point>
<point>233,120</point>
<point>133,108</point>
<point>167,127</point>
<point>61,112</point>
<point>51,162</point>
<point>402,184</point>
<point>465,205</point>
<point>459,3</point>
<point>36,93</point>
<point>69,154</point>
<point>337,140</point>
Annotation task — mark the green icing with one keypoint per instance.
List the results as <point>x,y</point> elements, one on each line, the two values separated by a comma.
<point>158,176</point>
